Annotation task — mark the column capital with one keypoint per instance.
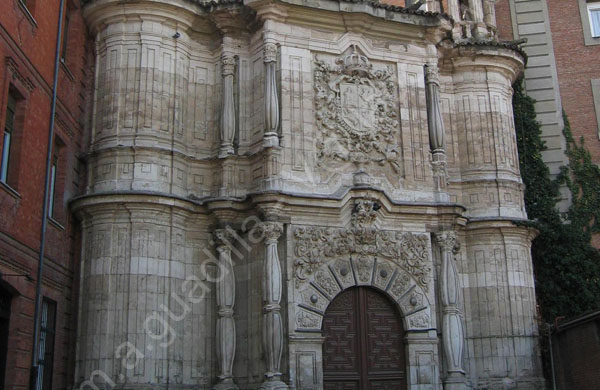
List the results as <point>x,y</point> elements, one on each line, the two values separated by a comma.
<point>270,52</point>
<point>228,63</point>
<point>446,240</point>
<point>271,231</point>
<point>223,238</point>
<point>432,74</point>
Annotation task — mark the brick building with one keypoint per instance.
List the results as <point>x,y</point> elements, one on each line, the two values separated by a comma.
<point>28,37</point>
<point>563,68</point>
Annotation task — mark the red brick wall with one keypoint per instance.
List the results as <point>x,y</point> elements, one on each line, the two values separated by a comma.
<point>504,21</point>
<point>31,46</point>
<point>399,3</point>
<point>576,65</point>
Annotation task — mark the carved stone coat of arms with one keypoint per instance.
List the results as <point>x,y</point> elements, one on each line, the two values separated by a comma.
<point>357,113</point>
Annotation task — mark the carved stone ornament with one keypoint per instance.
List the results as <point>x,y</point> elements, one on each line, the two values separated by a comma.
<point>228,62</point>
<point>356,110</point>
<point>271,231</point>
<point>364,213</point>
<point>314,246</point>
<point>305,320</point>
<point>419,321</point>
<point>447,240</point>
<point>270,52</point>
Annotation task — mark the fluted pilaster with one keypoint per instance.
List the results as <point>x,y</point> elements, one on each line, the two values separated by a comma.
<point>225,302</point>
<point>272,324</point>
<point>452,320</point>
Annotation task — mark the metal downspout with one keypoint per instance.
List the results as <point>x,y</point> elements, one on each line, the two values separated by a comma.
<point>38,290</point>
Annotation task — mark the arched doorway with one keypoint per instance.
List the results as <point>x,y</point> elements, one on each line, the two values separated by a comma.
<point>364,342</point>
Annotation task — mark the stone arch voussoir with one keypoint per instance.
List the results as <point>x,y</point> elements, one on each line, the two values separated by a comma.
<point>337,275</point>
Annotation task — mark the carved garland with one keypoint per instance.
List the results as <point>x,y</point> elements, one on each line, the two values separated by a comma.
<point>356,112</point>
<point>316,245</point>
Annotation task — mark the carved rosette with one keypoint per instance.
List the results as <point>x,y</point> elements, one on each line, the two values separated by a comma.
<point>228,106</point>
<point>356,112</point>
<point>271,137</point>
<point>225,285</point>
<point>452,319</point>
<point>272,323</point>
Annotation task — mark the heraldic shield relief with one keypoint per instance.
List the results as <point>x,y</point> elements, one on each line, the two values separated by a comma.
<point>356,112</point>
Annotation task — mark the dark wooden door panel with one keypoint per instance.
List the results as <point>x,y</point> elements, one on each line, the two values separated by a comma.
<point>342,385</point>
<point>385,352</point>
<point>363,346</point>
<point>387,385</point>
<point>341,344</point>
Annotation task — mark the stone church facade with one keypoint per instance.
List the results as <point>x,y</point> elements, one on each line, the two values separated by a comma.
<point>304,195</point>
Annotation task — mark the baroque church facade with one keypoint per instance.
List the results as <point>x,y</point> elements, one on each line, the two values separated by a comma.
<point>305,195</point>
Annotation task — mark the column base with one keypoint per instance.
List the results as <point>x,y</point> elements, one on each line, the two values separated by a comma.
<point>226,152</point>
<point>455,381</point>
<point>225,386</point>
<point>273,385</point>
<point>270,140</point>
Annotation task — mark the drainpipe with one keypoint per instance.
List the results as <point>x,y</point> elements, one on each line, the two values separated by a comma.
<point>38,290</point>
<point>549,326</point>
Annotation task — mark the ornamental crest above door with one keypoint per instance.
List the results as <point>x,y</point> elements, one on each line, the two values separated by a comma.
<point>357,112</point>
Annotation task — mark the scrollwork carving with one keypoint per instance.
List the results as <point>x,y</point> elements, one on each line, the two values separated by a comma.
<point>314,245</point>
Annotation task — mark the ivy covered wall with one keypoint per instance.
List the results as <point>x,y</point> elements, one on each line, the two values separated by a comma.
<point>566,265</point>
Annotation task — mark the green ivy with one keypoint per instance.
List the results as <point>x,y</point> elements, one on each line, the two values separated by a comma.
<point>566,266</point>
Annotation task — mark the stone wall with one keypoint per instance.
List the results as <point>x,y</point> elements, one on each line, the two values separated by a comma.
<point>356,140</point>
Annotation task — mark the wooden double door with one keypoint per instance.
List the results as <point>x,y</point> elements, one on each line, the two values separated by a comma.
<point>364,343</point>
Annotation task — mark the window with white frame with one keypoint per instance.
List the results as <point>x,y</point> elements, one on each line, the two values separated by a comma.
<point>594,16</point>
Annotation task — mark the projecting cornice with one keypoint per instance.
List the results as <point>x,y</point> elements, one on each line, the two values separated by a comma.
<point>350,15</point>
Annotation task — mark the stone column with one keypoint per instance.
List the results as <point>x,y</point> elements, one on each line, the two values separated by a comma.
<point>453,339</point>
<point>454,9</point>
<point>479,29</point>
<point>436,126</point>
<point>476,10</point>
<point>489,12</point>
<point>272,324</point>
<point>271,137</point>
<point>228,106</point>
<point>225,301</point>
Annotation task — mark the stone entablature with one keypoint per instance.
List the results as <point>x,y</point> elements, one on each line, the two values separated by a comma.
<point>365,147</point>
